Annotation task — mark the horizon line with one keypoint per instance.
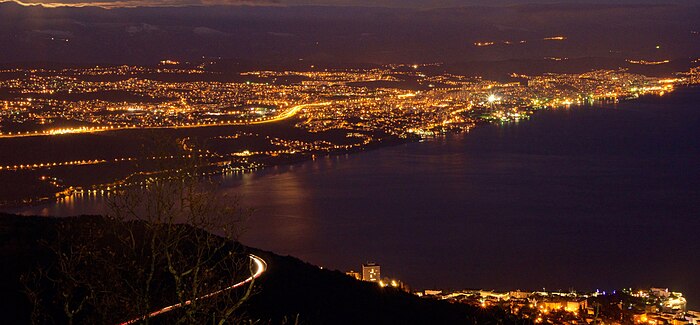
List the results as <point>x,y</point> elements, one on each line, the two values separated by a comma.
<point>134,4</point>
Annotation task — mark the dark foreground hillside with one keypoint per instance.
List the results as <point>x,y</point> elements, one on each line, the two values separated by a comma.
<point>290,292</point>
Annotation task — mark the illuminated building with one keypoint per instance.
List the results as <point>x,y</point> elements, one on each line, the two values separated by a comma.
<point>519,294</point>
<point>354,274</point>
<point>570,305</point>
<point>675,303</point>
<point>371,272</point>
<point>393,283</point>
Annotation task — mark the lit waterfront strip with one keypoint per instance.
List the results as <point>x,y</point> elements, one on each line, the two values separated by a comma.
<point>261,267</point>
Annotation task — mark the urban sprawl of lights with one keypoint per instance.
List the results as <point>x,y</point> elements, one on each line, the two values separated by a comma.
<point>364,106</point>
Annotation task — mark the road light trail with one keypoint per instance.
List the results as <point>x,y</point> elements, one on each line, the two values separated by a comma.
<point>261,266</point>
<point>289,113</point>
<point>283,116</point>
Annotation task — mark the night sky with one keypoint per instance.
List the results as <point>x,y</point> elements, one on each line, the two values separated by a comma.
<point>283,33</point>
<point>369,3</point>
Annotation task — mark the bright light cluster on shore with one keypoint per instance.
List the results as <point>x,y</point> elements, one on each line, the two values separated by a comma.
<point>368,105</point>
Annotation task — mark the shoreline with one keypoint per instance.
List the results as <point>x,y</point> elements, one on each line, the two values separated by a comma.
<point>12,206</point>
<point>390,141</point>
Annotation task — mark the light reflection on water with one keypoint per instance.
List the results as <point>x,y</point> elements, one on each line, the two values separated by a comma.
<point>280,203</point>
<point>581,198</point>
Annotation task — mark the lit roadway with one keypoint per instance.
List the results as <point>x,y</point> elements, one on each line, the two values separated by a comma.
<point>289,113</point>
<point>280,117</point>
<point>261,266</point>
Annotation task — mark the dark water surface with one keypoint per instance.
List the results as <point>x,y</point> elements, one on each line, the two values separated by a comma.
<point>581,198</point>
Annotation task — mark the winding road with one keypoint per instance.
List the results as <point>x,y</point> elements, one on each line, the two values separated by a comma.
<point>260,267</point>
<point>287,114</point>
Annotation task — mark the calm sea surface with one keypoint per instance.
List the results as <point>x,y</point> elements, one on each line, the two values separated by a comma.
<point>585,198</point>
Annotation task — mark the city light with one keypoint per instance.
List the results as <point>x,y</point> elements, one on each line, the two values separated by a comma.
<point>324,101</point>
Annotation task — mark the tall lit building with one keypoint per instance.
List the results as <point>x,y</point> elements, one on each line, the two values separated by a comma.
<point>371,272</point>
